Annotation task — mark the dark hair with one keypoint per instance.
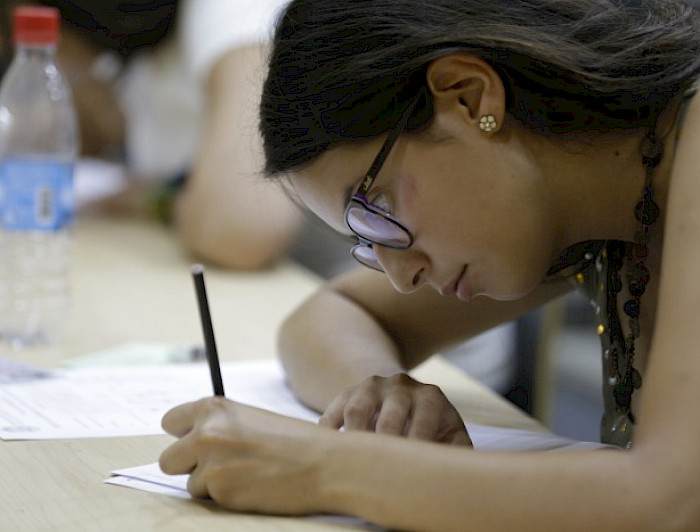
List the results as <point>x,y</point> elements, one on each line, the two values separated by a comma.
<point>342,70</point>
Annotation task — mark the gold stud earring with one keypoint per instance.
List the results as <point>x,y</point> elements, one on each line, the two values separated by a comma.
<point>488,123</point>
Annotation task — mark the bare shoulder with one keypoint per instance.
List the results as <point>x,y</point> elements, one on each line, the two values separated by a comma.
<point>681,242</point>
<point>684,188</point>
<point>672,379</point>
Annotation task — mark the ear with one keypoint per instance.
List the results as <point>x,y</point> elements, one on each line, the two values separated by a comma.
<point>467,84</point>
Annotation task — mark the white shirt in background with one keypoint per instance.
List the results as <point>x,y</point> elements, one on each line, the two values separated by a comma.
<point>162,91</point>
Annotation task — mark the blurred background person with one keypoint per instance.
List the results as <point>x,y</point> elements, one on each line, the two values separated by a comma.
<point>169,89</point>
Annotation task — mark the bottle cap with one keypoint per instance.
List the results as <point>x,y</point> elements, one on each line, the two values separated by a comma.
<point>36,25</point>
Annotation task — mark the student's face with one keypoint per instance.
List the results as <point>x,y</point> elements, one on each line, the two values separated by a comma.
<point>474,204</point>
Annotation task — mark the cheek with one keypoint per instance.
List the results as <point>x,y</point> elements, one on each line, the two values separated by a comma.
<point>432,203</point>
<point>408,193</point>
<point>454,199</point>
<point>422,207</point>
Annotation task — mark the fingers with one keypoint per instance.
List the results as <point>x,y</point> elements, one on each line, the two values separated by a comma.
<point>177,461</point>
<point>397,405</point>
<point>354,409</point>
<point>378,404</point>
<point>461,438</point>
<point>178,458</point>
<point>394,414</point>
<point>197,484</point>
<point>334,416</point>
<point>178,421</point>
<point>425,422</point>
<point>436,419</point>
<point>359,412</point>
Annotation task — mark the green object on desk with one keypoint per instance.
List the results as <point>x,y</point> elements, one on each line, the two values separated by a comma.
<point>137,353</point>
<point>161,199</point>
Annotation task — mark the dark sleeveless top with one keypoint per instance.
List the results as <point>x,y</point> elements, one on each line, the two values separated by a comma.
<point>594,266</point>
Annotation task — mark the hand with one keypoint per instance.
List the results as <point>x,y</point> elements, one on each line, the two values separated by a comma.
<point>245,458</point>
<point>397,405</point>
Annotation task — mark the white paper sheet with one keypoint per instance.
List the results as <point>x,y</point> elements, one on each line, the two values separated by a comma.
<point>151,479</point>
<point>127,401</point>
<point>12,371</point>
<point>487,438</point>
<point>104,401</point>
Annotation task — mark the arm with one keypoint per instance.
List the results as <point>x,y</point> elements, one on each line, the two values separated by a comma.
<point>252,460</point>
<point>227,214</point>
<point>370,329</point>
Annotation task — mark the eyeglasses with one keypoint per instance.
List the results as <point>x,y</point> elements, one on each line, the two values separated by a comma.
<point>371,224</point>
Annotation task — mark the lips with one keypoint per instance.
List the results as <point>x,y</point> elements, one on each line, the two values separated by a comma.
<point>464,288</point>
<point>451,287</point>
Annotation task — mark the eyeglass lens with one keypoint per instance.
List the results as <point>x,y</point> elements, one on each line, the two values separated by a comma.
<point>376,228</point>
<point>365,255</point>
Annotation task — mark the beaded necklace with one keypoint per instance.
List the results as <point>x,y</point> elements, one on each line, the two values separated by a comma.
<point>604,260</point>
<point>646,212</point>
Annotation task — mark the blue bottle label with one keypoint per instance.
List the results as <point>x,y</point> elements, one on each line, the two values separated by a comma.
<point>36,195</point>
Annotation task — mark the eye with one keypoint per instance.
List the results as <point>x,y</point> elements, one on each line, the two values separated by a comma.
<point>381,201</point>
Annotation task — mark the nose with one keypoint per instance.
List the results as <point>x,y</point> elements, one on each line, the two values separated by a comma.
<point>405,268</point>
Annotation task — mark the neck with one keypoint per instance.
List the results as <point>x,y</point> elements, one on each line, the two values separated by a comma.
<point>596,187</point>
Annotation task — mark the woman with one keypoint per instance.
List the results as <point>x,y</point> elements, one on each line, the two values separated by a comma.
<point>520,149</point>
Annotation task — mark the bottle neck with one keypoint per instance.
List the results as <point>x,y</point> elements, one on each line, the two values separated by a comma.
<point>41,52</point>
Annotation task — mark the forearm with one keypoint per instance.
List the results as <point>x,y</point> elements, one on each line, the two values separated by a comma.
<point>359,326</point>
<point>330,343</point>
<point>227,213</point>
<point>419,487</point>
<point>225,219</point>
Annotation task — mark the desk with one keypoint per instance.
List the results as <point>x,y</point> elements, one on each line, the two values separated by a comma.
<point>132,283</point>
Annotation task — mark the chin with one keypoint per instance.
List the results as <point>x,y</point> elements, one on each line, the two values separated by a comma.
<point>503,297</point>
<point>509,293</point>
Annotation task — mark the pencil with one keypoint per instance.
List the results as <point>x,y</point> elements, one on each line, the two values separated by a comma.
<point>207,329</point>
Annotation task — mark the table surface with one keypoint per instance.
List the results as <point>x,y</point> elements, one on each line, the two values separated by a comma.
<point>132,283</point>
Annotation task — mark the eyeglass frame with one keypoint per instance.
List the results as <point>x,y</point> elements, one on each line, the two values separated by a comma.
<point>360,196</point>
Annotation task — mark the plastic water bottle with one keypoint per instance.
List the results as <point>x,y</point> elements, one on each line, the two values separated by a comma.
<point>38,146</point>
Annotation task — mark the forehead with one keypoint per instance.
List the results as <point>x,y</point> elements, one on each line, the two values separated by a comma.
<point>324,186</point>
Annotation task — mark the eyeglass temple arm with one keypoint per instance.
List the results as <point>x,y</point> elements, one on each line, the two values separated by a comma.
<point>386,148</point>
